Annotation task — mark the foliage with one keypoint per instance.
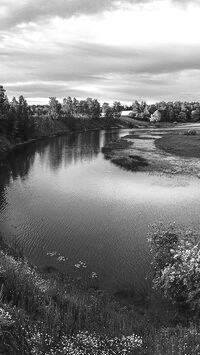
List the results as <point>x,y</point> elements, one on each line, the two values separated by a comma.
<point>54,108</point>
<point>18,122</point>
<point>176,260</point>
<point>89,108</point>
<point>50,314</point>
<point>2,94</point>
<point>176,341</point>
<point>113,111</point>
<point>167,111</point>
<point>107,110</point>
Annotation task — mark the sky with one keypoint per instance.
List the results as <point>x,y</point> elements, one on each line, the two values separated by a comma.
<point>111,50</point>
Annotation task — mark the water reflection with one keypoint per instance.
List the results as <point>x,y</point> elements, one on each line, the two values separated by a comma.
<point>55,153</point>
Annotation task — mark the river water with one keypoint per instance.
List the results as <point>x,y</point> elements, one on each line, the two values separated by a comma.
<point>64,203</point>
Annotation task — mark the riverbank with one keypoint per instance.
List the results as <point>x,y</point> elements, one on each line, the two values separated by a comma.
<point>168,150</point>
<point>49,312</point>
<point>58,128</point>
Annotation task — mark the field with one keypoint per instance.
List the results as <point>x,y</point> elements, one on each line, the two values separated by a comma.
<point>180,145</point>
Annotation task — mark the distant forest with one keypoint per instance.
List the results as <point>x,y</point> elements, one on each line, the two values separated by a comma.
<point>20,121</point>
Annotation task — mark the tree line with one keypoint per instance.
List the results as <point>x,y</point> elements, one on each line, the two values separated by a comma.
<point>89,108</point>
<point>20,121</point>
<point>167,111</point>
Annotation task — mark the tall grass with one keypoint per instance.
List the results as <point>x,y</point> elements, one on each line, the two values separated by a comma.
<point>43,309</point>
<point>50,313</point>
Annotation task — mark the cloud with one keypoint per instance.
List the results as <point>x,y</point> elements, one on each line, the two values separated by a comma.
<point>102,71</point>
<point>14,12</point>
<point>148,52</point>
<point>33,10</point>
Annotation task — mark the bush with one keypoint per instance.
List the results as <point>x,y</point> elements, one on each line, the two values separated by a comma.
<point>176,260</point>
<point>191,132</point>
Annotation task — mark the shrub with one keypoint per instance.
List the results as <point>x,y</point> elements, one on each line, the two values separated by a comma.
<point>176,261</point>
<point>191,132</point>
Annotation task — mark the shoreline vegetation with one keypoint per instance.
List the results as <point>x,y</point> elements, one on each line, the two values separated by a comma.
<point>21,123</point>
<point>118,152</point>
<point>171,150</point>
<point>6,146</point>
<point>45,312</point>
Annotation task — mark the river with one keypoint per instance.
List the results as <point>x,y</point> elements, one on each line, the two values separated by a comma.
<point>64,203</point>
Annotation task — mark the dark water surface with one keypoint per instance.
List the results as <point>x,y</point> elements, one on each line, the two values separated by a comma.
<point>61,195</point>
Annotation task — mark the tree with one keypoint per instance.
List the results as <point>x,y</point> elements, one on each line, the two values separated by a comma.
<point>23,119</point>
<point>2,94</point>
<point>136,109</point>
<point>107,110</point>
<point>95,109</point>
<point>75,106</point>
<point>12,118</point>
<point>89,106</point>
<point>176,258</point>
<point>68,106</point>
<point>54,108</point>
<point>117,108</point>
<point>2,102</point>
<point>82,108</point>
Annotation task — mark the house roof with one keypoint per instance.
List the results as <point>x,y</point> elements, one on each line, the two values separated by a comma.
<point>126,113</point>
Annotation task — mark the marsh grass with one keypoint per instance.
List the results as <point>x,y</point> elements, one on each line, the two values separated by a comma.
<point>132,162</point>
<point>114,152</point>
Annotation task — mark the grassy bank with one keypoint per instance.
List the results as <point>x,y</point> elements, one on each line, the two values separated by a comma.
<point>51,313</point>
<point>181,145</point>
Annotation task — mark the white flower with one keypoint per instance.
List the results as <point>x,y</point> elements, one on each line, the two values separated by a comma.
<point>94,275</point>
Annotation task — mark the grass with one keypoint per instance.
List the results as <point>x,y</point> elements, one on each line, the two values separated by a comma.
<point>43,313</point>
<point>115,152</point>
<point>132,162</point>
<point>180,145</point>
<point>134,122</point>
<point>51,313</point>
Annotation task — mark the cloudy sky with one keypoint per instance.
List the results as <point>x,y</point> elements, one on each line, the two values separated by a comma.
<point>105,49</point>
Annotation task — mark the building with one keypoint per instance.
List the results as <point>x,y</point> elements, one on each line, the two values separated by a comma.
<point>126,113</point>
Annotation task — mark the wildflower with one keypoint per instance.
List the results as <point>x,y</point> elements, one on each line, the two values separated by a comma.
<point>5,317</point>
<point>81,264</point>
<point>62,258</point>
<point>53,253</point>
<point>94,275</point>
